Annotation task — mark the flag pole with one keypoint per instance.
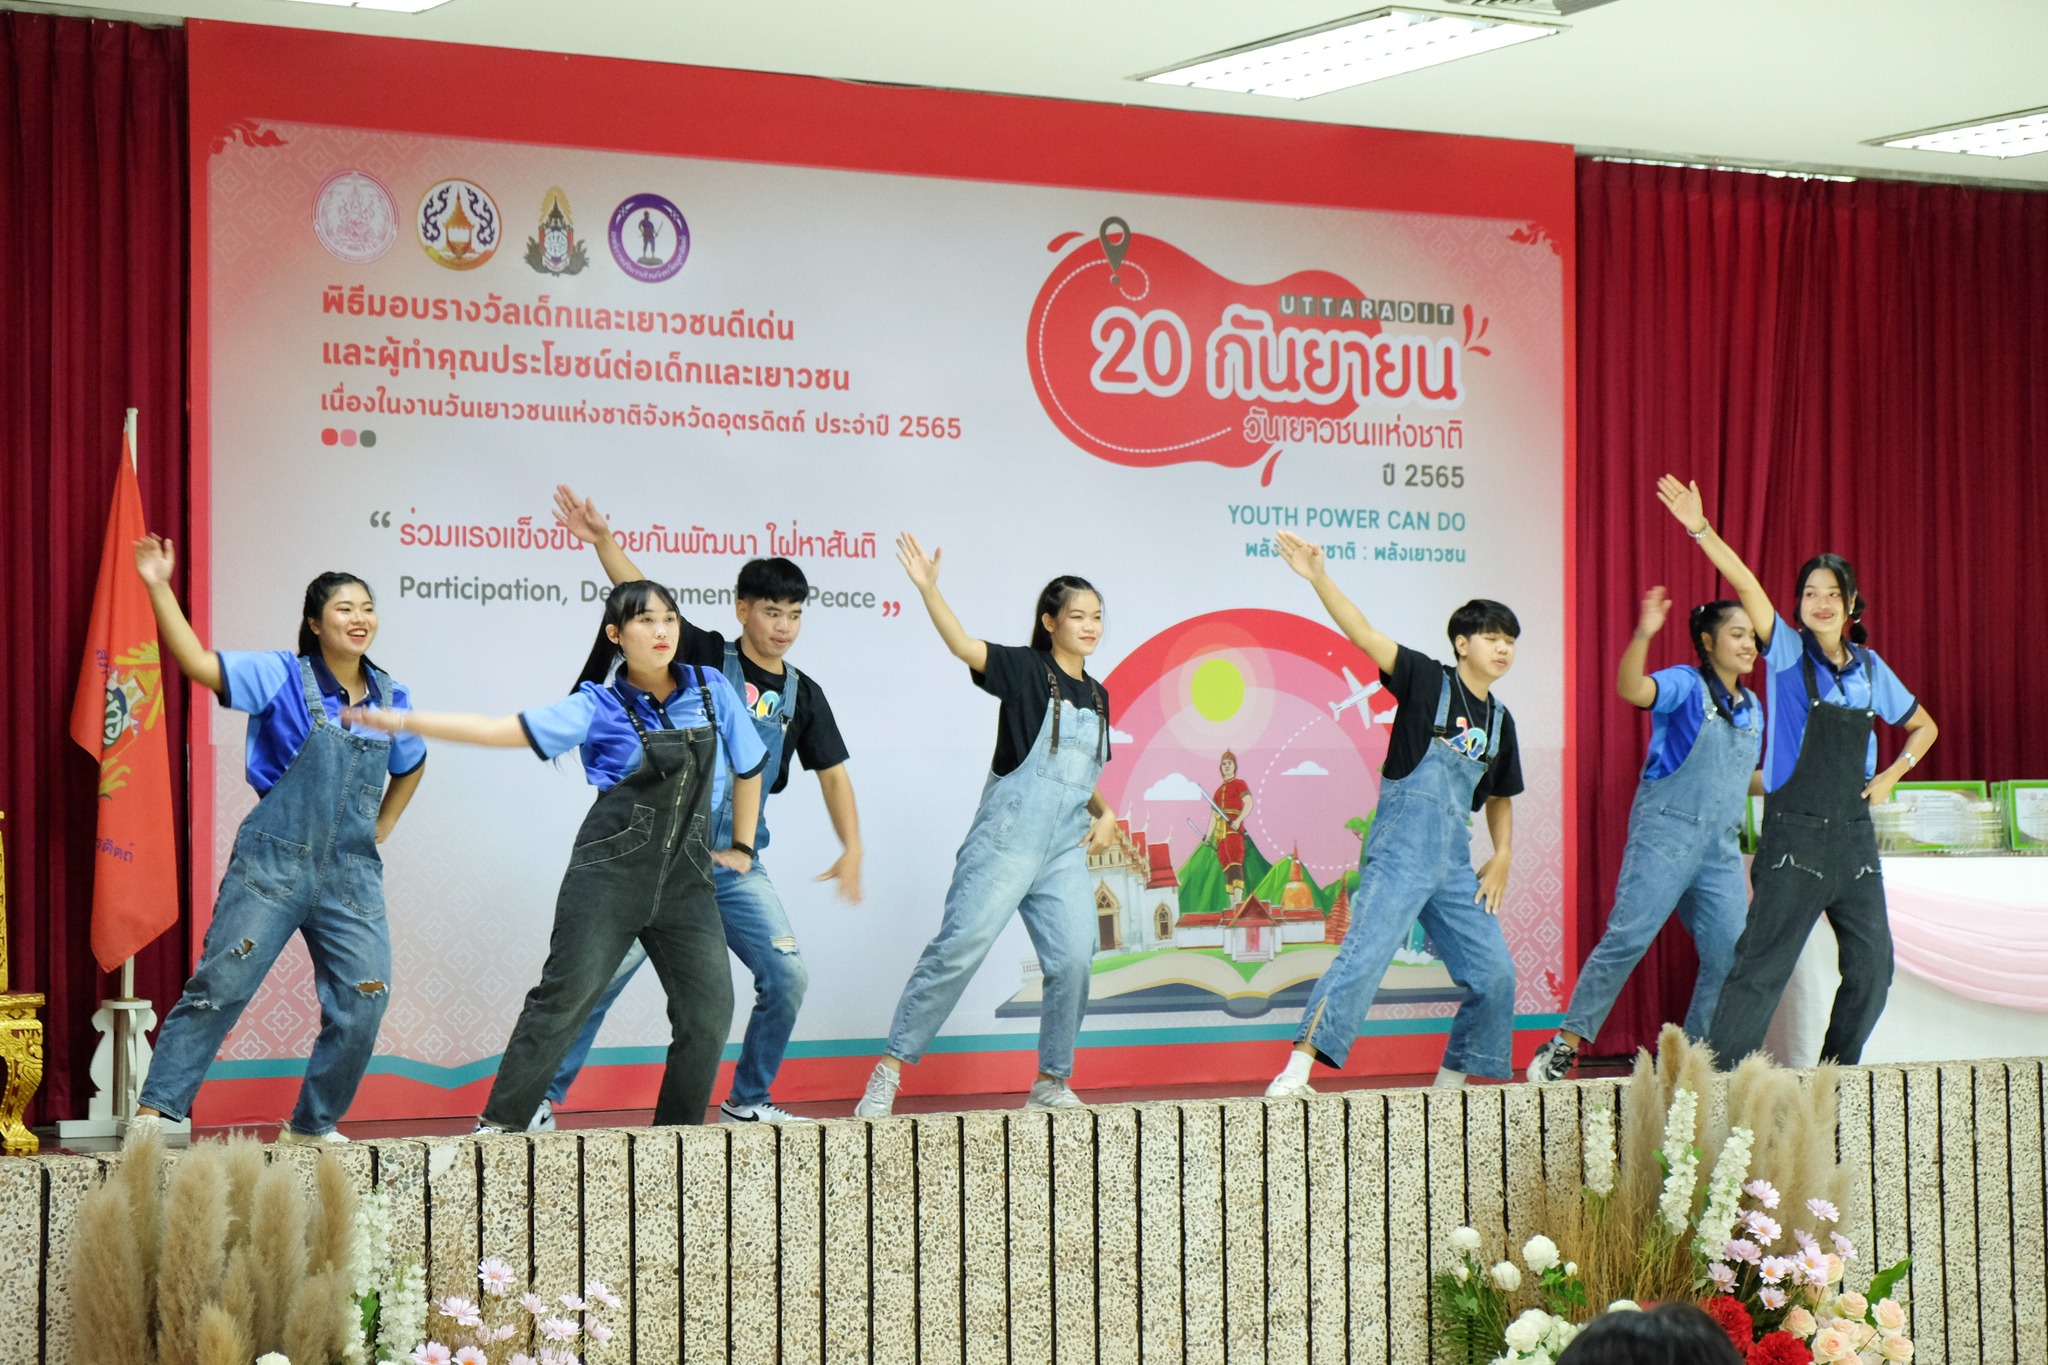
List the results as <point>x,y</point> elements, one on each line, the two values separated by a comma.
<point>126,1083</point>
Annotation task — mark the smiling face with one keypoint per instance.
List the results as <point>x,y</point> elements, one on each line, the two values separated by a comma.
<point>1823,607</point>
<point>1078,627</point>
<point>347,624</point>
<point>648,640</point>
<point>1492,652</point>
<point>769,628</point>
<point>1731,648</point>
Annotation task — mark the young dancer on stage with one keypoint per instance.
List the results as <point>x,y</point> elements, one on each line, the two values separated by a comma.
<point>305,860</point>
<point>1818,850</point>
<point>1023,852</point>
<point>1684,850</point>
<point>652,732</point>
<point>792,717</point>
<point>1452,751</point>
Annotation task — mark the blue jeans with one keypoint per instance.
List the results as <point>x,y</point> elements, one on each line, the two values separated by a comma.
<point>1417,864</point>
<point>757,930</point>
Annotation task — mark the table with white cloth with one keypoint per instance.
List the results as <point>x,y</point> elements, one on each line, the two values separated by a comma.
<point>1971,939</point>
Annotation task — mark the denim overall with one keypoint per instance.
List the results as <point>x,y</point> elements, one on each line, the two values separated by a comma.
<point>1683,851</point>
<point>756,928</point>
<point>1023,854</point>
<point>640,872</point>
<point>305,860</point>
<point>1817,854</point>
<point>1417,863</point>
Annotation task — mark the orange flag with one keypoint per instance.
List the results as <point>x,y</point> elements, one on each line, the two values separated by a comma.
<point>117,716</point>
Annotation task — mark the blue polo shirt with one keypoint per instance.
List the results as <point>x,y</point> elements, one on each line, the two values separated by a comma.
<point>267,687</point>
<point>1876,688</point>
<point>593,719</point>
<point>1679,711</point>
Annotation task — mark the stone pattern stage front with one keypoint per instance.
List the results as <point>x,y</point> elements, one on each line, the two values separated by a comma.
<point>1239,1230</point>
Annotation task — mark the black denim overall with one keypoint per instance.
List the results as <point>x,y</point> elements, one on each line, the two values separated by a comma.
<point>640,871</point>
<point>1817,855</point>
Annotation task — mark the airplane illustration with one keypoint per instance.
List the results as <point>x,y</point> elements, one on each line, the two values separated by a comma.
<point>1359,692</point>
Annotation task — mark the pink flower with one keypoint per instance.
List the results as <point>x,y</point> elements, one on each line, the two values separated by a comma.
<point>557,1329</point>
<point>432,1353</point>
<point>521,1358</point>
<point>533,1303</point>
<point>597,1330</point>
<point>1722,1276</point>
<point>1843,1245</point>
<point>495,1276</point>
<point>1773,1268</point>
<point>573,1303</point>
<point>1764,1228</point>
<point>1805,1240</point>
<point>1832,1343</point>
<point>470,1355</point>
<point>555,1355</point>
<point>1896,1348</point>
<point>1771,1298</point>
<point>1823,1210</point>
<point>1812,1267</point>
<point>462,1310</point>
<point>1801,1323</point>
<point>504,1332</point>
<point>1889,1315</point>
<point>1763,1192</point>
<point>596,1292</point>
<point>1742,1250</point>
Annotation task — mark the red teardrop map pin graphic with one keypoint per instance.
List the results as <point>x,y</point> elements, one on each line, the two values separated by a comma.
<point>1115,249</point>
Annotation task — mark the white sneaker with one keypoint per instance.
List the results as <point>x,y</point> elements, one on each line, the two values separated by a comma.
<point>138,1128</point>
<point>1285,1085</point>
<point>764,1112</point>
<point>483,1129</point>
<point>1052,1095</point>
<point>543,1118</point>
<point>287,1138</point>
<point>879,1100</point>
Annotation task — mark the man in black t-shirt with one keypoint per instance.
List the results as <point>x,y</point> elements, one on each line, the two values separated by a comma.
<point>1452,751</point>
<point>791,714</point>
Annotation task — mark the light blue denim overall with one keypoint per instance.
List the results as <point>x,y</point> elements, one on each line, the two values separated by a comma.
<point>305,862</point>
<point>1022,854</point>
<point>1683,852</point>
<point>1417,863</point>
<point>756,926</point>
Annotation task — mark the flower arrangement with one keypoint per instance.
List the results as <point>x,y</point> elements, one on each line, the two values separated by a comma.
<point>1746,1243</point>
<point>498,1329</point>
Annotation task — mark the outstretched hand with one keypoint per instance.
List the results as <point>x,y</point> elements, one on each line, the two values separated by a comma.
<point>922,568</point>
<point>1303,556</point>
<point>373,718</point>
<point>155,559</point>
<point>579,516</point>
<point>1685,503</point>
<point>1656,607</point>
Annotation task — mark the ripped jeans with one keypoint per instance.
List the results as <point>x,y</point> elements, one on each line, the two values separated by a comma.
<point>757,930</point>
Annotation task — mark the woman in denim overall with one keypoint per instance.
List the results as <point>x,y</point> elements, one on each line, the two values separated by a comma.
<point>1684,849</point>
<point>305,860</point>
<point>1024,853</point>
<point>1818,850</point>
<point>641,868</point>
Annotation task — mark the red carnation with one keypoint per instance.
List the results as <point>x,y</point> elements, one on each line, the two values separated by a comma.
<point>1733,1319</point>
<point>1780,1348</point>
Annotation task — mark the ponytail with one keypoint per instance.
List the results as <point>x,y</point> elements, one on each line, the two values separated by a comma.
<point>1052,601</point>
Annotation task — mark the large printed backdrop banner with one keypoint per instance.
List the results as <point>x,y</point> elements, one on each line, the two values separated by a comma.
<point>758,315</point>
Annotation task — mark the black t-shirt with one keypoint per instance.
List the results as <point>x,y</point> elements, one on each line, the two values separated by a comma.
<point>813,735</point>
<point>1416,682</point>
<point>1016,676</point>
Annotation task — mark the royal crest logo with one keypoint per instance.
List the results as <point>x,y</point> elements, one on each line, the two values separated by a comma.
<point>458,224</point>
<point>650,241</point>
<point>134,701</point>
<point>555,250</point>
<point>355,217</point>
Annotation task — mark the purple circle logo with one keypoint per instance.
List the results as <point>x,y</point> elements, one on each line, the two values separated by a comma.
<point>650,240</point>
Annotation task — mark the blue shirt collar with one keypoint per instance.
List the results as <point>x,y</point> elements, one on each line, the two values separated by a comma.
<point>323,677</point>
<point>1821,659</point>
<point>637,697</point>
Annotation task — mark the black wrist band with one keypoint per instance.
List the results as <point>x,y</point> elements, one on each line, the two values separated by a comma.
<point>739,847</point>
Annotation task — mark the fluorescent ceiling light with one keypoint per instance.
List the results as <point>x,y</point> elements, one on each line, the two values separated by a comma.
<point>2020,134</point>
<point>398,6</point>
<point>1369,47</point>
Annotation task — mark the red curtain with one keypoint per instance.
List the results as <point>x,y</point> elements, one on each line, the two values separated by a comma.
<point>93,316</point>
<point>1846,367</point>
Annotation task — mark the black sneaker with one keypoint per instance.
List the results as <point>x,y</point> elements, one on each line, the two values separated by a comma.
<point>1553,1061</point>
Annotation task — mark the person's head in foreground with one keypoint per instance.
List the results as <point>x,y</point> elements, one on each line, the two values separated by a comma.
<point>1669,1334</point>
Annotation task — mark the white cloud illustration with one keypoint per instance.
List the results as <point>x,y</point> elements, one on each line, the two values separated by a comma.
<point>1308,767</point>
<point>1117,736</point>
<point>1175,787</point>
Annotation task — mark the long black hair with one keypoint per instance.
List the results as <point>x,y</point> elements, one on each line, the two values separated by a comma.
<point>1707,619</point>
<point>318,593</point>
<point>1669,1334</point>
<point>1845,576</point>
<point>627,601</point>
<point>1052,601</point>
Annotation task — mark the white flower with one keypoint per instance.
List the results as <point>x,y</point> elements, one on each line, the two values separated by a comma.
<point>1528,1331</point>
<point>1762,1226</point>
<point>1763,1192</point>
<point>533,1303</point>
<point>273,1358</point>
<point>574,1303</point>
<point>1773,1268</point>
<point>1852,1305</point>
<point>1507,1277</point>
<point>1536,1358</point>
<point>1722,1275</point>
<point>402,1312</point>
<point>1624,1306</point>
<point>1724,1190</point>
<point>370,1244</point>
<point>1823,1210</point>
<point>1462,1239</point>
<point>557,1329</point>
<point>597,1330</point>
<point>1844,1246</point>
<point>1571,1267</point>
<point>1539,1253</point>
<point>1599,1142</point>
<point>1895,1348</point>
<point>596,1292</point>
<point>1889,1315</point>
<point>1771,1297</point>
<point>1561,1334</point>
<point>460,1309</point>
<point>495,1276</point>
<point>432,1353</point>
<point>1680,1160</point>
<point>1462,1272</point>
<point>471,1355</point>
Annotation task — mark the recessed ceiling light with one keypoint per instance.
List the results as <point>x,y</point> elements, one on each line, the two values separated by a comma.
<point>398,6</point>
<point>2021,134</point>
<point>1368,47</point>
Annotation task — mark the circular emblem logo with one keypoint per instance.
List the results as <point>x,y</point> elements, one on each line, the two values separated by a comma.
<point>650,240</point>
<point>458,223</point>
<point>354,217</point>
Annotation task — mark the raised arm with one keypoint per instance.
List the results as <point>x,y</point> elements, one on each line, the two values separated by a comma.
<point>924,576</point>
<point>1306,559</point>
<point>1685,503</point>
<point>155,558</point>
<point>580,517</point>
<point>1633,683</point>
<point>495,732</point>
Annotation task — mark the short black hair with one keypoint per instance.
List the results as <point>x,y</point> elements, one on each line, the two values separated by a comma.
<point>1669,1334</point>
<point>771,580</point>
<point>1483,616</point>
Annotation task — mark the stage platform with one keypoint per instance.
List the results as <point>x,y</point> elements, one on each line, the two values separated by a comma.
<point>1191,1230</point>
